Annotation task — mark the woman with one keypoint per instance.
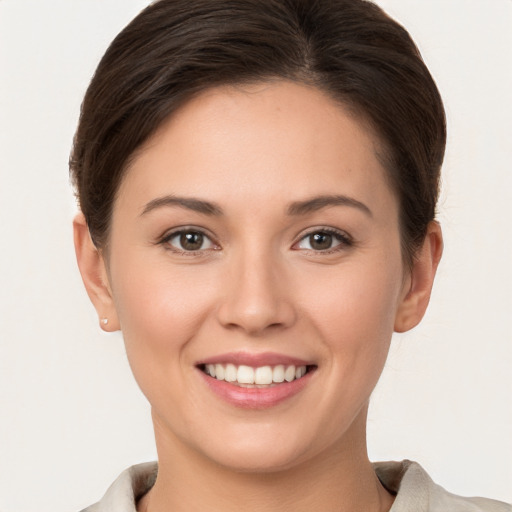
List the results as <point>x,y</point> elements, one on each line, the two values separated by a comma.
<point>257,184</point>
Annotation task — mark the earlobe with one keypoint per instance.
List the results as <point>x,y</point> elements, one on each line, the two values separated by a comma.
<point>416,297</point>
<point>94,275</point>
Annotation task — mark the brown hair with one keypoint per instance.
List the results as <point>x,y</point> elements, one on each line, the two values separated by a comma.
<point>175,49</point>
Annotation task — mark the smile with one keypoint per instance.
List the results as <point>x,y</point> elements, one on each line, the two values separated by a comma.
<point>256,381</point>
<point>260,377</point>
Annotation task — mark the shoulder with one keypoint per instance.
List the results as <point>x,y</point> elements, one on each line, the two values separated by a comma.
<point>416,491</point>
<point>123,494</point>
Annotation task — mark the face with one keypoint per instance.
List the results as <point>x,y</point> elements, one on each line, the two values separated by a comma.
<point>256,273</point>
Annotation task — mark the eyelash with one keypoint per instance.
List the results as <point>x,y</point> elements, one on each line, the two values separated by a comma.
<point>166,241</point>
<point>344,240</point>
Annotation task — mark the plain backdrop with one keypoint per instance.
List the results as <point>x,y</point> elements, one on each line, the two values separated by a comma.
<point>72,418</point>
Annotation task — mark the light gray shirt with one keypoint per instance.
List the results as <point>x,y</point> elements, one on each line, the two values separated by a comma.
<point>414,489</point>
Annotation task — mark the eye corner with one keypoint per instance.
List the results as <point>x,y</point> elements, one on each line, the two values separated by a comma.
<point>328,240</point>
<point>188,241</point>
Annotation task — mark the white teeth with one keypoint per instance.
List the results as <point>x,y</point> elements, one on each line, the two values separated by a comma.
<point>262,376</point>
<point>278,373</point>
<point>219,372</point>
<point>230,374</point>
<point>245,375</point>
<point>289,374</point>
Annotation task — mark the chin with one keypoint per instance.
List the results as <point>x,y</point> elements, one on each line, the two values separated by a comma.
<point>261,448</point>
<point>261,460</point>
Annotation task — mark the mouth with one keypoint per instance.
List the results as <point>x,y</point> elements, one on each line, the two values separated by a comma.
<point>256,381</point>
<point>260,377</point>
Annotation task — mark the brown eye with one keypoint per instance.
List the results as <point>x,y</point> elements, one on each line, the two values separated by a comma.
<point>189,241</point>
<point>324,240</point>
<point>320,241</point>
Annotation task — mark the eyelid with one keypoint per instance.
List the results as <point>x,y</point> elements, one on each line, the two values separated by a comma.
<point>172,233</point>
<point>343,237</point>
<point>345,240</point>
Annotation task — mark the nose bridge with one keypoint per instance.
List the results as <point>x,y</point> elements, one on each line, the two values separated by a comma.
<point>256,296</point>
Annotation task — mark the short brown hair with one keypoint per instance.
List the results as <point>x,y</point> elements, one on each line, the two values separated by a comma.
<point>174,49</point>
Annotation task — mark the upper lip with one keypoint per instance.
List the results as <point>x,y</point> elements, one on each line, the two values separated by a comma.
<point>255,359</point>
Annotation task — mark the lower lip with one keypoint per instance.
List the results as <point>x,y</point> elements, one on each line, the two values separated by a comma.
<point>256,398</point>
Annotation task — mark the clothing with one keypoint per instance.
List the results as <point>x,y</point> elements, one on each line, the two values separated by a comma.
<point>415,491</point>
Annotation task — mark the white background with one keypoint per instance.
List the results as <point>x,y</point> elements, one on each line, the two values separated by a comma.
<point>71,418</point>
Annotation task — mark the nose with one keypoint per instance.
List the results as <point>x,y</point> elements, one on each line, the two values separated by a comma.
<point>257,298</point>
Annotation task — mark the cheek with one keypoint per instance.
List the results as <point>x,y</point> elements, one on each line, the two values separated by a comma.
<point>355,316</point>
<point>356,298</point>
<point>160,307</point>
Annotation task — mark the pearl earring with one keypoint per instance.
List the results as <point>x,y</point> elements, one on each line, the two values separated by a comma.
<point>104,321</point>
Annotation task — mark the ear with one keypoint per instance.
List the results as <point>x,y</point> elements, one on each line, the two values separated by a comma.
<point>94,275</point>
<point>418,285</point>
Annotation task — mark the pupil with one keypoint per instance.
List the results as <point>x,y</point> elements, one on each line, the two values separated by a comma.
<point>191,241</point>
<point>320,241</point>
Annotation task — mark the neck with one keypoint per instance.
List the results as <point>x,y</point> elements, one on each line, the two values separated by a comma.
<point>340,480</point>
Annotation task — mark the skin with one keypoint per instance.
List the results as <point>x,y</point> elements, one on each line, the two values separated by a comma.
<point>257,285</point>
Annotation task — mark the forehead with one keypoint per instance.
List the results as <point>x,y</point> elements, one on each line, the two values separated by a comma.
<point>263,142</point>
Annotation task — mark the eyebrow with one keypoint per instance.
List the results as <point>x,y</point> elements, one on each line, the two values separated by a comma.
<point>294,209</point>
<point>189,203</point>
<point>317,203</point>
